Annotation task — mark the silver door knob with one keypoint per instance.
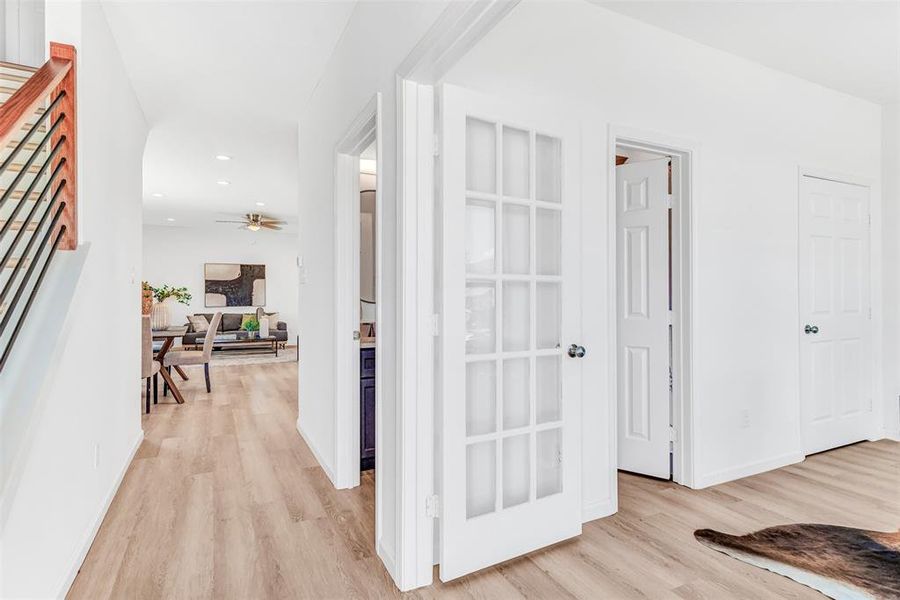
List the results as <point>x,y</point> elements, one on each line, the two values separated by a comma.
<point>811,329</point>
<point>356,335</point>
<point>576,351</point>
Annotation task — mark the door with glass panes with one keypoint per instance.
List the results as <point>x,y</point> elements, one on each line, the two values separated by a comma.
<point>509,424</point>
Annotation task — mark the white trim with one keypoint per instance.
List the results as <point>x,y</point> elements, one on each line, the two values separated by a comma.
<point>599,509</point>
<point>316,454</point>
<point>878,425</point>
<point>459,28</point>
<point>685,167</point>
<point>81,554</point>
<point>746,470</point>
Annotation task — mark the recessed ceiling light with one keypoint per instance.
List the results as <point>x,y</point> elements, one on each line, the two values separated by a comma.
<point>170,219</point>
<point>157,194</point>
<point>223,182</point>
<point>260,203</point>
<point>222,157</point>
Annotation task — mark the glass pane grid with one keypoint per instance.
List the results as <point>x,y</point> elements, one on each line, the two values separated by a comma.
<point>518,186</point>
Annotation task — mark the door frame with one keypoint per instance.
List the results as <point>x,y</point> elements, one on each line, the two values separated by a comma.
<point>685,161</point>
<point>365,129</point>
<point>878,425</point>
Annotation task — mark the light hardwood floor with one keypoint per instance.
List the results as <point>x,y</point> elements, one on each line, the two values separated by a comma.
<point>224,500</point>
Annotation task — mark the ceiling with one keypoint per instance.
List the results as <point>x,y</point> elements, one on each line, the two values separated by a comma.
<point>850,46</point>
<point>223,77</point>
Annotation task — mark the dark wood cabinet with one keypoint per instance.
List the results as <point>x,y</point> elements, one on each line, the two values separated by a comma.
<point>366,409</point>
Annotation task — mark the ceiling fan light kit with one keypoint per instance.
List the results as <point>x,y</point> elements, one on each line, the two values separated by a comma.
<point>257,221</point>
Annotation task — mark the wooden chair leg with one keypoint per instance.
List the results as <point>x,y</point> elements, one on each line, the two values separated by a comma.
<point>206,372</point>
<point>156,388</point>
<point>147,396</point>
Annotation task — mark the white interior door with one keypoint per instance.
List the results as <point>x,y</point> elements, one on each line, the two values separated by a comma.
<point>642,279</point>
<point>510,464</point>
<point>835,313</point>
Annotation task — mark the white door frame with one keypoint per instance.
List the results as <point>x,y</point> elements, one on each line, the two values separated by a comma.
<point>364,130</point>
<point>684,155</point>
<point>879,427</point>
<point>459,28</point>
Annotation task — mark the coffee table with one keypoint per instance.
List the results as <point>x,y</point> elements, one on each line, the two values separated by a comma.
<point>246,345</point>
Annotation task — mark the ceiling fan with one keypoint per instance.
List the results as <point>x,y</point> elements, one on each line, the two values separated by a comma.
<point>257,221</point>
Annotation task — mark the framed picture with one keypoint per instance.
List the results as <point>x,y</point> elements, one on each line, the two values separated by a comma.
<point>229,284</point>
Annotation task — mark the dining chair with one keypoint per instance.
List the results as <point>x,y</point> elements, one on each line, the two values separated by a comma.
<point>149,367</point>
<point>196,357</point>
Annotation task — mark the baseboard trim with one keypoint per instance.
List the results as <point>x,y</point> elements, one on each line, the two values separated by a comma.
<point>389,564</point>
<point>78,559</point>
<point>739,472</point>
<point>598,509</point>
<point>317,454</point>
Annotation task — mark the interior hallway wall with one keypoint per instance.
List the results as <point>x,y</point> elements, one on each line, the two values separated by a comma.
<point>177,255</point>
<point>377,38</point>
<point>86,422</point>
<point>755,126</point>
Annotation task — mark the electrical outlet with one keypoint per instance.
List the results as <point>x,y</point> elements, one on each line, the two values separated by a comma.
<point>97,455</point>
<point>745,418</point>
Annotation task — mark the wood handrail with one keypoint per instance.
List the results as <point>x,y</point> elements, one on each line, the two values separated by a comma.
<point>24,103</point>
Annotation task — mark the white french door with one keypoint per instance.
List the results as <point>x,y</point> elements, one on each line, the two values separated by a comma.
<point>643,353</point>
<point>835,313</point>
<point>510,463</point>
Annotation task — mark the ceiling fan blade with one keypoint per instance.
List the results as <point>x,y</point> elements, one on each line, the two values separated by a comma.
<point>230,221</point>
<point>270,226</point>
<point>273,221</point>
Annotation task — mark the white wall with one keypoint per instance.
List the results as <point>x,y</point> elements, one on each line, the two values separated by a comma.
<point>377,38</point>
<point>87,418</point>
<point>22,24</point>
<point>891,236</point>
<point>176,256</point>
<point>754,126</point>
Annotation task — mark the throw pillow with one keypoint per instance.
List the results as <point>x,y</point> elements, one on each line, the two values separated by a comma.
<point>247,318</point>
<point>273,320</point>
<point>199,323</point>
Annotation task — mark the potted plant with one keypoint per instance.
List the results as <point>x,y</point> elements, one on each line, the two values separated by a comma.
<point>251,326</point>
<point>160,315</point>
<point>146,298</point>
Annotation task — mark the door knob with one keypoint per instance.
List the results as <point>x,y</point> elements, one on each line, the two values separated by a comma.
<point>576,351</point>
<point>356,335</point>
<point>811,329</point>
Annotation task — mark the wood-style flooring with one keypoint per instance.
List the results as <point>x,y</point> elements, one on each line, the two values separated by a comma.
<point>224,500</point>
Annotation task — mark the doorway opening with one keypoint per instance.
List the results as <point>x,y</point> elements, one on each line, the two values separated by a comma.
<point>651,219</point>
<point>357,294</point>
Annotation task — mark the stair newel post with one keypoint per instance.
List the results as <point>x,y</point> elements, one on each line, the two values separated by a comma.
<point>68,151</point>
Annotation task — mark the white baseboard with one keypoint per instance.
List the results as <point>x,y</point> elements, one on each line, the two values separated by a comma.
<point>389,564</point>
<point>312,448</point>
<point>78,559</point>
<point>730,474</point>
<point>598,509</point>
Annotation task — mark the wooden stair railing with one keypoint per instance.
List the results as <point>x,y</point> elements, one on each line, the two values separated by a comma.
<point>38,190</point>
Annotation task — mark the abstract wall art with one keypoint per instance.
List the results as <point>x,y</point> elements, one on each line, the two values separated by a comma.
<point>228,284</point>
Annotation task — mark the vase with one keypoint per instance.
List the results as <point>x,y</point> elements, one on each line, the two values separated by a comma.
<point>160,315</point>
<point>264,327</point>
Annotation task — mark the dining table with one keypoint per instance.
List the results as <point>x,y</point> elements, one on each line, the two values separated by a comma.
<point>168,336</point>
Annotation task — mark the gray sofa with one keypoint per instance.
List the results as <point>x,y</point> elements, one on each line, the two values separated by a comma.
<point>230,324</point>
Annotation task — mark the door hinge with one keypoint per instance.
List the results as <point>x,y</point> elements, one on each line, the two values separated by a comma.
<point>671,380</point>
<point>435,325</point>
<point>436,150</point>
<point>432,507</point>
<point>673,434</point>
<point>669,201</point>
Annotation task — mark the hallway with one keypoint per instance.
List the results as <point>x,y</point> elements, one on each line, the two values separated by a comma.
<point>224,500</point>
